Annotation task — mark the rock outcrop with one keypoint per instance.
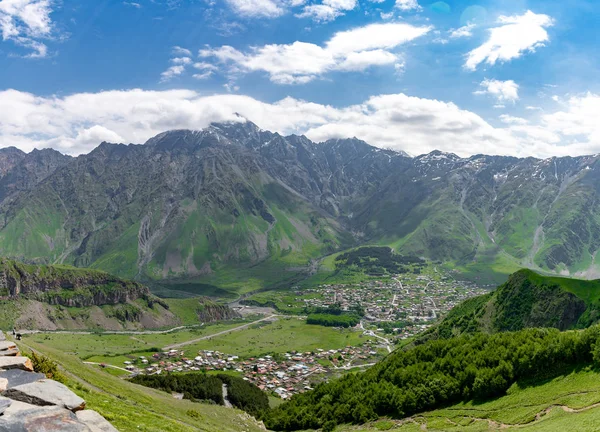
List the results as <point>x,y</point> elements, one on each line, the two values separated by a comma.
<point>29,402</point>
<point>208,311</point>
<point>69,287</point>
<point>48,294</point>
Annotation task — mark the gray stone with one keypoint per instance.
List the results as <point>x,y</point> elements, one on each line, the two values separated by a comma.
<point>95,421</point>
<point>10,353</point>
<point>5,403</point>
<point>2,337</point>
<point>3,384</point>
<point>17,377</point>
<point>29,418</point>
<point>23,363</point>
<point>6,345</point>
<point>46,392</point>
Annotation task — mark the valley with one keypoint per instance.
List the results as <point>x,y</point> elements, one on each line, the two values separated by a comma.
<point>278,267</point>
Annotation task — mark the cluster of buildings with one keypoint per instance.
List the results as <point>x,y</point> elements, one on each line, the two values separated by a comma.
<point>403,305</point>
<point>283,374</point>
<point>416,300</point>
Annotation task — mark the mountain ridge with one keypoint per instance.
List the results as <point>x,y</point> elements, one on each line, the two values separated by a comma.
<point>194,204</point>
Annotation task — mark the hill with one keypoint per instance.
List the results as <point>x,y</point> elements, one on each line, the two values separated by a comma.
<point>526,300</point>
<point>237,207</point>
<point>469,369</point>
<point>52,297</point>
<point>131,407</point>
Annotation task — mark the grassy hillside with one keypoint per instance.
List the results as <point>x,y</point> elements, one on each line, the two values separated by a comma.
<point>527,299</point>
<point>568,402</point>
<point>131,407</point>
<point>472,369</point>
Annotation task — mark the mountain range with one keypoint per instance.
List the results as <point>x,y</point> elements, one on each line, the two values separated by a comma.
<point>193,205</point>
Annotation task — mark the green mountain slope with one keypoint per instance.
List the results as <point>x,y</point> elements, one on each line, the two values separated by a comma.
<point>198,208</point>
<point>54,297</point>
<point>471,369</point>
<point>527,299</point>
<point>240,208</point>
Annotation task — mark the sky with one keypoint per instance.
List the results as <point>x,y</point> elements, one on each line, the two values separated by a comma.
<point>506,77</point>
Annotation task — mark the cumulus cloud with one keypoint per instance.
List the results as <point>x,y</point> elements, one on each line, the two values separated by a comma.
<point>178,64</point>
<point>257,8</point>
<point>462,32</point>
<point>501,90</point>
<point>179,51</point>
<point>508,119</point>
<point>77,123</point>
<point>514,36</point>
<point>327,10</point>
<point>407,5</point>
<point>301,62</point>
<point>26,23</point>
<point>172,72</point>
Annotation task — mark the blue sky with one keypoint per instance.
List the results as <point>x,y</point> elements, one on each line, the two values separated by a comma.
<point>498,76</point>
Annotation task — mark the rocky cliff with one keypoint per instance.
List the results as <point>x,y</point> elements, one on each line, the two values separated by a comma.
<point>72,287</point>
<point>209,311</point>
<point>54,297</point>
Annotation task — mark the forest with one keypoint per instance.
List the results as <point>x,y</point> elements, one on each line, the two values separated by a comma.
<point>377,261</point>
<point>328,320</point>
<point>438,373</point>
<point>209,388</point>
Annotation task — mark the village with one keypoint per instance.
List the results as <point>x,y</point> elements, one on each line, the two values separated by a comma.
<point>394,309</point>
<point>413,301</point>
<point>282,374</point>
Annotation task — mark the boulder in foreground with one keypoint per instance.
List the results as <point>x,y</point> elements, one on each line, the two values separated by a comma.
<point>23,363</point>
<point>45,393</point>
<point>95,421</point>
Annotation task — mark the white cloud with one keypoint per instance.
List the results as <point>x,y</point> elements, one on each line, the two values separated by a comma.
<point>301,62</point>
<point>172,72</point>
<point>203,75</point>
<point>462,32</point>
<point>79,122</point>
<point>179,51</point>
<point>133,4</point>
<point>203,66</point>
<point>387,16</point>
<point>178,66</point>
<point>501,90</point>
<point>407,5</point>
<point>327,10</point>
<point>514,36</point>
<point>26,23</point>
<point>257,8</point>
<point>508,119</point>
<point>181,60</point>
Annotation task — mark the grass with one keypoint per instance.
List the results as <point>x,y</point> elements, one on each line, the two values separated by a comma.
<point>281,336</point>
<point>10,312</point>
<point>588,291</point>
<point>130,407</point>
<point>283,301</point>
<point>85,346</point>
